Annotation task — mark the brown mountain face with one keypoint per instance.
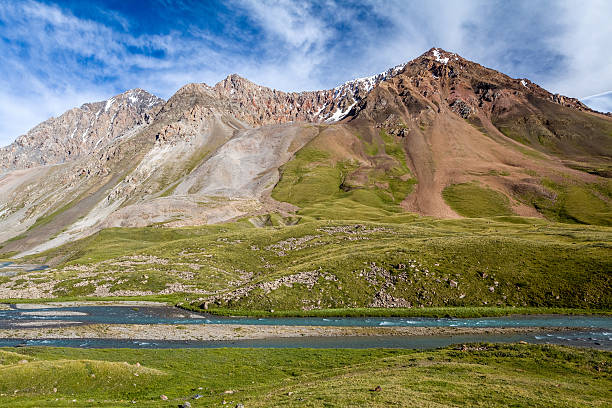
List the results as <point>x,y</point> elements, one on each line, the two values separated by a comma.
<point>79,131</point>
<point>518,108</point>
<point>460,122</point>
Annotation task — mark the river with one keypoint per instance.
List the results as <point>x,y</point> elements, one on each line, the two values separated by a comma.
<point>585,331</point>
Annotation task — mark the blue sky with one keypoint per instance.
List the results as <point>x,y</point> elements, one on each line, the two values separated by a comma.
<point>57,55</point>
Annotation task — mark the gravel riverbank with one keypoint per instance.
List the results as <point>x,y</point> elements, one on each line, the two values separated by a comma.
<point>233,332</point>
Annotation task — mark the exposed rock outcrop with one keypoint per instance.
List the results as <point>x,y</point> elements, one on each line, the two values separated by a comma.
<point>261,105</point>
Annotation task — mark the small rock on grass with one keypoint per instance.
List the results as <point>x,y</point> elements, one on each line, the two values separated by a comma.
<point>185,405</point>
<point>163,397</point>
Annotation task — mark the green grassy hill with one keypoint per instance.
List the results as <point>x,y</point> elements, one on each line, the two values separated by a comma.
<point>400,261</point>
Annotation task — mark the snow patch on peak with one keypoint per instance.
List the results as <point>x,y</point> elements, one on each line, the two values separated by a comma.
<point>439,58</point>
<point>133,99</point>
<point>524,83</point>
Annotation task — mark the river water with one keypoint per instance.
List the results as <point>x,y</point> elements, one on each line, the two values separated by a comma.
<point>44,315</point>
<point>590,331</point>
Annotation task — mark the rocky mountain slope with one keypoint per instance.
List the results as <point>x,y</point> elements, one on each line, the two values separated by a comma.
<point>79,131</point>
<point>460,122</point>
<point>439,136</point>
<point>266,106</point>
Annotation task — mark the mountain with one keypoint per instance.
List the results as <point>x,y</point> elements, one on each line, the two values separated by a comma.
<point>267,106</point>
<point>79,131</point>
<point>439,136</point>
<point>461,123</point>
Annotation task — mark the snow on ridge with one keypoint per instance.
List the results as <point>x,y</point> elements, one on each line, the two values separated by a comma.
<point>524,83</point>
<point>339,114</point>
<point>109,103</point>
<point>139,98</point>
<point>317,113</point>
<point>135,97</point>
<point>353,89</point>
<point>368,83</point>
<point>436,54</point>
<point>84,135</point>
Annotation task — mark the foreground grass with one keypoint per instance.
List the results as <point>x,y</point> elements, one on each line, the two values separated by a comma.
<point>480,375</point>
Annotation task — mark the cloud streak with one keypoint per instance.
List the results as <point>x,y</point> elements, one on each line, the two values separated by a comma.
<point>56,57</point>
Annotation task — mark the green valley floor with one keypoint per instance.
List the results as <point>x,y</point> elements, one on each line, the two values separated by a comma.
<point>477,375</point>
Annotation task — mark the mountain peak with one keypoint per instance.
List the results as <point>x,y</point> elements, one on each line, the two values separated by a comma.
<point>79,131</point>
<point>192,88</point>
<point>439,55</point>
<point>236,78</point>
<point>235,83</point>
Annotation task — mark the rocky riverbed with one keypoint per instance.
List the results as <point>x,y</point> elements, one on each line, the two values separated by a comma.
<point>210,332</point>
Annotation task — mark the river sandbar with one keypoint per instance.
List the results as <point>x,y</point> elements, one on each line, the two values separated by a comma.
<point>210,332</point>
<point>54,313</point>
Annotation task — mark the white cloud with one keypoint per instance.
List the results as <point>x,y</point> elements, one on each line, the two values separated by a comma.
<point>601,102</point>
<point>585,41</point>
<point>296,43</point>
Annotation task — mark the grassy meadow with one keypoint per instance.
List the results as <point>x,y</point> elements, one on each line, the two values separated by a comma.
<point>398,262</point>
<point>480,375</point>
